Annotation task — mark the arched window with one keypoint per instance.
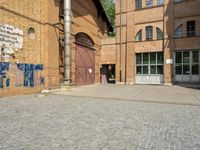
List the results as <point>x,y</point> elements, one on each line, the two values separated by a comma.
<point>149,33</point>
<point>84,40</point>
<point>179,31</point>
<point>138,36</point>
<point>159,34</point>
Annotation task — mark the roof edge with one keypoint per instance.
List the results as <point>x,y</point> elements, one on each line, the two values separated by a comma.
<point>102,13</point>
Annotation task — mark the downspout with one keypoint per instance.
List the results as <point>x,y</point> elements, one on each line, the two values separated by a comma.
<point>67,42</point>
<point>125,72</point>
<point>120,72</point>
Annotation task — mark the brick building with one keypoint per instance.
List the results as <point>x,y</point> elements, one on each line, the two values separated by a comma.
<point>158,41</point>
<point>32,44</point>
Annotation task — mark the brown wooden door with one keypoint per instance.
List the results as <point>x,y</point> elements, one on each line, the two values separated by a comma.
<point>85,66</point>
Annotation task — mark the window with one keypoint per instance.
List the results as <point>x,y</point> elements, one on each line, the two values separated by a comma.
<point>149,63</point>
<point>138,4</point>
<point>84,40</point>
<point>145,58</point>
<point>31,33</point>
<point>159,34</point>
<point>195,62</point>
<point>191,28</point>
<point>179,31</point>
<point>149,3</point>
<point>139,36</point>
<point>160,2</point>
<point>187,63</point>
<point>178,66</point>
<point>149,33</point>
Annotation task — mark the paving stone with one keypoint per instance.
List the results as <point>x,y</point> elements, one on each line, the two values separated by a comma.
<point>56,122</point>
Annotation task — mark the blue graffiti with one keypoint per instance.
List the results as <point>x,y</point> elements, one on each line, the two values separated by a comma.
<point>28,74</point>
<point>7,82</point>
<point>4,67</point>
<point>39,67</point>
<point>1,82</point>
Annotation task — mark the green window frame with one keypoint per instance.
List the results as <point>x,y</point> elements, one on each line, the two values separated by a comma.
<point>149,63</point>
<point>187,62</point>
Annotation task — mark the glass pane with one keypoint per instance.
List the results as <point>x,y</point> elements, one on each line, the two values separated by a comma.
<point>159,34</point>
<point>139,69</point>
<point>153,69</point>
<point>191,28</point>
<point>160,58</point>
<point>146,58</point>
<point>138,4</point>
<point>195,69</point>
<point>179,69</point>
<point>195,57</point>
<point>160,2</point>
<point>149,3</point>
<point>139,36</point>
<point>186,69</point>
<point>159,69</point>
<point>186,57</point>
<point>138,58</point>
<point>152,58</point>
<point>149,33</point>
<point>145,70</point>
<point>179,31</point>
<point>178,57</point>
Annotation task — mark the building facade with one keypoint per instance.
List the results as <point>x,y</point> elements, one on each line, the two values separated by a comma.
<point>32,44</point>
<point>158,41</point>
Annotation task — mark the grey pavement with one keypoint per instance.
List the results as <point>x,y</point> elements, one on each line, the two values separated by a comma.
<point>62,122</point>
<point>144,93</point>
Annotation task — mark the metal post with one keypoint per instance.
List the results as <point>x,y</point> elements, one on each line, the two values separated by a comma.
<point>67,42</point>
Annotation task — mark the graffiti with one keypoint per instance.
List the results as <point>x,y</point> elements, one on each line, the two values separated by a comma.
<point>38,79</point>
<point>4,67</point>
<point>27,75</point>
<point>19,74</point>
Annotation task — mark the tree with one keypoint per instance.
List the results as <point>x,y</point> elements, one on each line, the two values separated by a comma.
<point>109,6</point>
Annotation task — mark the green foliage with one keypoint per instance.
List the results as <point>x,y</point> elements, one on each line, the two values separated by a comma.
<point>109,6</point>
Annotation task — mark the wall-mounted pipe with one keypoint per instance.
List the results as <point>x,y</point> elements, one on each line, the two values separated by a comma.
<point>120,72</point>
<point>67,42</point>
<point>126,46</point>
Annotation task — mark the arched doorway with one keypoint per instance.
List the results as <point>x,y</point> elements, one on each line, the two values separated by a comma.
<point>85,60</point>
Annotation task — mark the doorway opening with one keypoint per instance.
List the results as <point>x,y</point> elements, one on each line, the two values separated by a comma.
<point>108,75</point>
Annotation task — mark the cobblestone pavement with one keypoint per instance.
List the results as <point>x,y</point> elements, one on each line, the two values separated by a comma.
<point>54,122</point>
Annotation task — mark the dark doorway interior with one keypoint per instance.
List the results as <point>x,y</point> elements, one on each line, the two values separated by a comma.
<point>107,74</point>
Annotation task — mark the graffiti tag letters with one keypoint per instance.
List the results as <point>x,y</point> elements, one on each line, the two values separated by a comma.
<point>27,75</point>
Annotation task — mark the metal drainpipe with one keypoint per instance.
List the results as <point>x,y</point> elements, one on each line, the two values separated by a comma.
<point>126,46</point>
<point>67,42</point>
<point>120,73</point>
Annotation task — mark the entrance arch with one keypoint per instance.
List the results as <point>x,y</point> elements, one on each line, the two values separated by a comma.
<point>85,60</point>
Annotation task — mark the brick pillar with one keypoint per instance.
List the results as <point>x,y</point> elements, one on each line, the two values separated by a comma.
<point>168,44</point>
